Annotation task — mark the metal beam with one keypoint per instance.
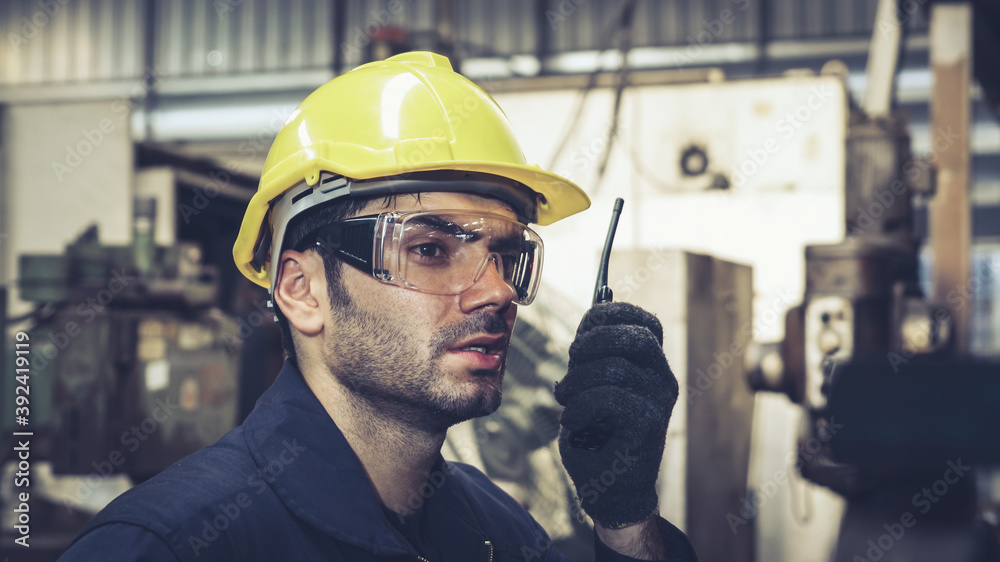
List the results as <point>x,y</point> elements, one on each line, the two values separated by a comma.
<point>603,80</point>
<point>950,217</point>
<point>883,56</point>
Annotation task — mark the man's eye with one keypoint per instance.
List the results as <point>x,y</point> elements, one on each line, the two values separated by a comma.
<point>428,250</point>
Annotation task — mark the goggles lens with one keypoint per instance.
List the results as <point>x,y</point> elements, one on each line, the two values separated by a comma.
<point>438,252</point>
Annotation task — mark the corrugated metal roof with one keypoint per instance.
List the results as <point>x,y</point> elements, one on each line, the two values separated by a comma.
<point>102,40</point>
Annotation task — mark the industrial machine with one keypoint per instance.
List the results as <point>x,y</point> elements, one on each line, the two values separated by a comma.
<point>164,380</point>
<point>132,366</point>
<point>899,419</point>
<point>891,406</point>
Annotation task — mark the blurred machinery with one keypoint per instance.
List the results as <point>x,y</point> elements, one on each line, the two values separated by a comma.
<point>897,414</point>
<point>889,401</point>
<point>135,366</point>
<point>149,310</point>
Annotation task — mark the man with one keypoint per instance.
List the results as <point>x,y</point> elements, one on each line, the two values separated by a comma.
<point>408,174</point>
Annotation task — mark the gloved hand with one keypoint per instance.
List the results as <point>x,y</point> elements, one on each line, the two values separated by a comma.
<point>618,395</point>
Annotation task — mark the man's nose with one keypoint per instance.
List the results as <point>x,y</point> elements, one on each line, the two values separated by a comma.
<point>490,286</point>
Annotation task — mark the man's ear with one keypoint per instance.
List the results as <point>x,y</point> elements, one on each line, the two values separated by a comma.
<point>299,288</point>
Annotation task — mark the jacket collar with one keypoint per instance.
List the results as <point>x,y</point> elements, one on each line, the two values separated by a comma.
<point>305,459</point>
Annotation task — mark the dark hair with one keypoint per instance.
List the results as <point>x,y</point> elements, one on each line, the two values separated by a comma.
<point>302,225</point>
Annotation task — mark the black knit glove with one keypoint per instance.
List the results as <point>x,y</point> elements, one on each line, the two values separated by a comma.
<point>618,393</point>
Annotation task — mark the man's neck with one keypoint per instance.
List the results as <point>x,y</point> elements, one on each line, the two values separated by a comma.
<point>397,456</point>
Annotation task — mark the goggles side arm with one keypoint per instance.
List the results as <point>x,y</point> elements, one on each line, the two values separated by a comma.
<point>351,240</point>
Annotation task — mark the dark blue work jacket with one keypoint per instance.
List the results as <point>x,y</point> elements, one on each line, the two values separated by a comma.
<point>286,485</point>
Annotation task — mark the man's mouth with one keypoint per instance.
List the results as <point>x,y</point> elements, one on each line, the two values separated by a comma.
<point>490,344</point>
<point>483,353</point>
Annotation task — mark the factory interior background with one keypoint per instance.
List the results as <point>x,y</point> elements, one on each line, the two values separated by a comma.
<point>812,209</point>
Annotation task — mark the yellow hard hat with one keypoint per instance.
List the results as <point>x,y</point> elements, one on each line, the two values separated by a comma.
<point>389,119</point>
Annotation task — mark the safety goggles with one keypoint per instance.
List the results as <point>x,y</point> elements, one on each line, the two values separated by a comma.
<point>438,252</point>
